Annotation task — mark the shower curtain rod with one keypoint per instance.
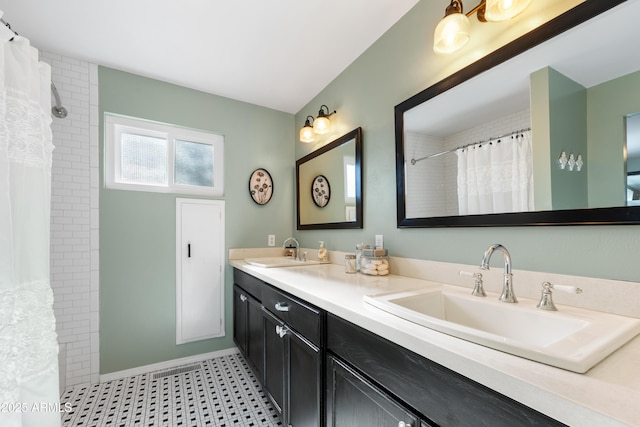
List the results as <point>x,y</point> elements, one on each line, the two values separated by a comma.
<point>57,110</point>
<point>453,150</point>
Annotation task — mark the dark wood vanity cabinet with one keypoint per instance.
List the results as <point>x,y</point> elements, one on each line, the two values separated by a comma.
<point>293,358</point>
<point>438,395</point>
<point>319,369</point>
<point>247,320</point>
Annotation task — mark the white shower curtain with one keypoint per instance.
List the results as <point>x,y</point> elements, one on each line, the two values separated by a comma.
<point>496,177</point>
<point>28,346</point>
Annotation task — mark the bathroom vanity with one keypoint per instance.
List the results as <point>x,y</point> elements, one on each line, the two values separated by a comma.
<point>341,361</point>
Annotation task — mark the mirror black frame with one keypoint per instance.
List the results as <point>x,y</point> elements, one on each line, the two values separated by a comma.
<point>358,223</point>
<point>603,216</point>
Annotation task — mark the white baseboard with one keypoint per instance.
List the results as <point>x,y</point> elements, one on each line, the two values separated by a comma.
<point>166,365</point>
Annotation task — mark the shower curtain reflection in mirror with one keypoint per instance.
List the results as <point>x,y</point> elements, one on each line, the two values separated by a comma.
<point>496,176</point>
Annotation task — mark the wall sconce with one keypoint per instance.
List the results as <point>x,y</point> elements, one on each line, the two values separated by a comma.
<point>318,126</point>
<point>562,160</point>
<point>453,31</point>
<point>306,133</point>
<point>573,162</point>
<point>322,124</point>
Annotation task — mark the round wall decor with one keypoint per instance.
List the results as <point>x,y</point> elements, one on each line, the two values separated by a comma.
<point>261,186</point>
<point>320,191</point>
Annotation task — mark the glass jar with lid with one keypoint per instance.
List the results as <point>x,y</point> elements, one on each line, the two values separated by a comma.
<point>374,265</point>
<point>350,263</point>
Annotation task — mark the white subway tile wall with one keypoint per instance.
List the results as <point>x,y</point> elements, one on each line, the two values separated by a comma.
<point>74,217</point>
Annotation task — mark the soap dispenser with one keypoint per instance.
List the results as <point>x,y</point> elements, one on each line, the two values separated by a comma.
<point>322,252</point>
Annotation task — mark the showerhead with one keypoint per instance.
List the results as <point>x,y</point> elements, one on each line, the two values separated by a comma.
<point>57,110</point>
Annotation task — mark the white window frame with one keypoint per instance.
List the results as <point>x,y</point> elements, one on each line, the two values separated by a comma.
<point>349,162</point>
<point>115,125</point>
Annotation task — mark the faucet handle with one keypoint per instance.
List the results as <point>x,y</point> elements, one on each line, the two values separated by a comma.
<point>546,299</point>
<point>567,289</point>
<point>478,287</point>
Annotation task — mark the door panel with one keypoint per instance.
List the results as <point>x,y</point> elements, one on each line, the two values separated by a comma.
<point>199,272</point>
<point>304,382</point>
<point>240,306</point>
<point>274,361</point>
<point>354,401</point>
<point>255,348</point>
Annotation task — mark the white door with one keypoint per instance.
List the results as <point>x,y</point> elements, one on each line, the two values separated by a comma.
<point>199,269</point>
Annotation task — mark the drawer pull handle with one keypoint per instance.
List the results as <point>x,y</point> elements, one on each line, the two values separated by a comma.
<point>282,306</point>
<point>243,298</point>
<point>281,331</point>
<point>403,424</point>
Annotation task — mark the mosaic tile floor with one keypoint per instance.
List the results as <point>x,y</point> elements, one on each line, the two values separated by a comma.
<point>222,392</point>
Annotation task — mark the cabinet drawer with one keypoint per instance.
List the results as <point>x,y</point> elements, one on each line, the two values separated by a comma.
<point>249,283</point>
<point>300,316</point>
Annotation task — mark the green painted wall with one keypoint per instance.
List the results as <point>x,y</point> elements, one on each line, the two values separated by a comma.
<point>568,118</point>
<point>137,229</point>
<point>609,103</point>
<point>397,66</point>
<point>541,150</point>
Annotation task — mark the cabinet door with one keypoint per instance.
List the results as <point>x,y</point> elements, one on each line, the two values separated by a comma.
<point>240,319</point>
<point>255,348</point>
<point>304,382</point>
<point>354,401</point>
<point>274,360</point>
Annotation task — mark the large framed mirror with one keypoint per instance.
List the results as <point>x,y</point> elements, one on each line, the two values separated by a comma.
<point>532,134</point>
<point>329,185</point>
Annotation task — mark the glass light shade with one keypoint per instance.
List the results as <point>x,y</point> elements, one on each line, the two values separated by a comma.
<point>501,10</point>
<point>451,33</point>
<point>306,134</point>
<point>321,125</point>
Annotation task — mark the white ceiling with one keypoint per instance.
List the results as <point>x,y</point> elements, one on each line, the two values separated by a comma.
<point>277,54</point>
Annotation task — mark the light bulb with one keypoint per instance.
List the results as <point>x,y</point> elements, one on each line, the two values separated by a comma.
<point>321,125</point>
<point>451,34</point>
<point>306,134</point>
<point>501,10</point>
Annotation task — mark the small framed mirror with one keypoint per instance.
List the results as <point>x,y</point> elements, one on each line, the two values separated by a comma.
<point>340,163</point>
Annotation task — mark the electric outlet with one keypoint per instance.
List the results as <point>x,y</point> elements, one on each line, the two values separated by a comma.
<point>379,242</point>
<point>271,241</point>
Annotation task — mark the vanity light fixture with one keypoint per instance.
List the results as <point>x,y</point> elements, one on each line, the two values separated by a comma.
<point>319,126</point>
<point>453,31</point>
<point>322,124</point>
<point>306,133</point>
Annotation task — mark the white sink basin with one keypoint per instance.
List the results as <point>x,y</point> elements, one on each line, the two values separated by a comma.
<point>280,261</point>
<point>571,338</point>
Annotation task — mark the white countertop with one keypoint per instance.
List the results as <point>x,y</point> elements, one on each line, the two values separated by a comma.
<point>607,395</point>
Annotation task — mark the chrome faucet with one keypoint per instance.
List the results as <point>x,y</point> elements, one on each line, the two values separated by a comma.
<point>507,288</point>
<point>296,253</point>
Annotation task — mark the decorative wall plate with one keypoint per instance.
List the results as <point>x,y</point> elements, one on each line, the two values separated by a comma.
<point>320,191</point>
<point>261,186</point>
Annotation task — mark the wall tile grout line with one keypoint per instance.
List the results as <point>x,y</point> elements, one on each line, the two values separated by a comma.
<point>223,393</point>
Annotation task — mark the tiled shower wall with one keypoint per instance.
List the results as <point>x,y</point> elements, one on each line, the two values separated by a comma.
<point>74,218</point>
